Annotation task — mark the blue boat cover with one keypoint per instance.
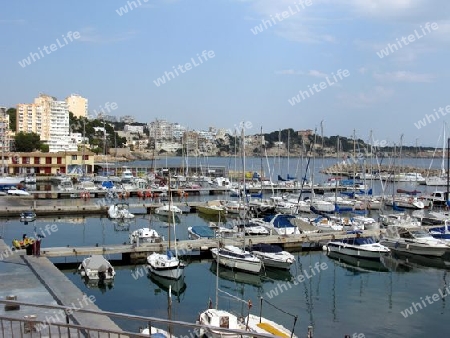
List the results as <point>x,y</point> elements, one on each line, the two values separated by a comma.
<point>203,231</point>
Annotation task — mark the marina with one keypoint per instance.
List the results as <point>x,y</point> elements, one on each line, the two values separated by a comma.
<point>327,291</point>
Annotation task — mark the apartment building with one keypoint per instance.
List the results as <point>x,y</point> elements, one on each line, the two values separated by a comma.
<point>78,105</point>
<point>49,118</point>
<point>5,133</point>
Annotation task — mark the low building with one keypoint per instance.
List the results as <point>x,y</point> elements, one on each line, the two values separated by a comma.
<point>64,162</point>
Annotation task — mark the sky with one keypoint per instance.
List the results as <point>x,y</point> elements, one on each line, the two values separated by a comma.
<point>320,63</point>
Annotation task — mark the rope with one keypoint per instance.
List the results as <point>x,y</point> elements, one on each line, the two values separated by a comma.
<point>234,297</point>
<point>290,314</point>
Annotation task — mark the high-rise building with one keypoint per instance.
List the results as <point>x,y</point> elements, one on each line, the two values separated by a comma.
<point>49,118</point>
<point>77,105</point>
<point>5,133</point>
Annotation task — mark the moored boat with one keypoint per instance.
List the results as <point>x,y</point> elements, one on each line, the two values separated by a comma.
<point>120,211</point>
<point>28,216</point>
<point>237,258</point>
<point>96,267</point>
<point>145,235</point>
<point>415,241</point>
<point>272,255</point>
<point>359,246</point>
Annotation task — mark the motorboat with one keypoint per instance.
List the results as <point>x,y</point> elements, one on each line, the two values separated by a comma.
<point>441,232</point>
<point>145,235</point>
<point>325,224</point>
<point>96,267</point>
<point>404,201</point>
<point>413,240</point>
<point>236,258</point>
<point>120,211</point>
<point>279,224</point>
<point>165,265</point>
<point>168,210</point>
<point>272,255</point>
<point>127,176</point>
<point>358,246</point>
<point>212,208</point>
<point>201,231</point>
<point>65,185</point>
<point>13,191</point>
<point>28,216</point>
<point>253,229</point>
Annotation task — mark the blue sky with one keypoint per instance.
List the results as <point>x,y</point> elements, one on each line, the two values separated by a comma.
<point>251,77</point>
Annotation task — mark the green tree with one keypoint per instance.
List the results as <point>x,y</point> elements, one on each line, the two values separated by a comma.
<point>12,118</point>
<point>27,142</point>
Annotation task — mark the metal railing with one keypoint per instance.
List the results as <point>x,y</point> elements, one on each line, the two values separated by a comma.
<point>30,326</point>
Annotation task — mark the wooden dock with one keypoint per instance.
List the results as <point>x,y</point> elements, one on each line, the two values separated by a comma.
<point>90,208</point>
<point>200,247</point>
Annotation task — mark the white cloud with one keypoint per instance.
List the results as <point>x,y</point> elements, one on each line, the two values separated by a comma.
<point>366,99</point>
<point>403,76</point>
<point>316,73</point>
<point>288,72</point>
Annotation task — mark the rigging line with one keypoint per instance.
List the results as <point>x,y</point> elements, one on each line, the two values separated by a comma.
<point>276,307</point>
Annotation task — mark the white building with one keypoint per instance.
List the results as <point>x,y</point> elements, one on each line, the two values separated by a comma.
<point>49,118</point>
<point>133,129</point>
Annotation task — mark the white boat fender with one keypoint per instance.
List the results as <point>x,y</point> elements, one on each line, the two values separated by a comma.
<point>325,248</point>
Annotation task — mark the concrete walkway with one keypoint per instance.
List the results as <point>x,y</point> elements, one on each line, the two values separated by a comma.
<point>37,280</point>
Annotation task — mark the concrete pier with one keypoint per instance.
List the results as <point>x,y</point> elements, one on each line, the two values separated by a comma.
<point>36,280</point>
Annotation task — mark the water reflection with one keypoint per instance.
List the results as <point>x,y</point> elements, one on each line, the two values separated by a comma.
<point>357,265</point>
<point>177,287</point>
<point>236,276</point>
<point>102,285</point>
<point>403,262</point>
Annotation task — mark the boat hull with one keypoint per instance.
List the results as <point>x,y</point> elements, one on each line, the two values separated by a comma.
<point>355,251</point>
<point>239,264</point>
<point>412,248</point>
<point>162,266</point>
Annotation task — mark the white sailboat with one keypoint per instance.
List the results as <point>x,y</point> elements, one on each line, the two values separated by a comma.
<point>167,265</point>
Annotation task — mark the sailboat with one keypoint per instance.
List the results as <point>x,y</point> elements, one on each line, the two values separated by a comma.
<point>167,265</point>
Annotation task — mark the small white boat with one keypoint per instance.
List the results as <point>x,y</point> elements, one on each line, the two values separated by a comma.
<point>127,176</point>
<point>236,258</point>
<point>145,235</point>
<point>359,246</point>
<point>28,216</point>
<point>65,185</point>
<point>120,211</point>
<point>96,267</point>
<point>168,210</point>
<point>215,318</point>
<point>17,192</point>
<point>272,255</point>
<point>168,265</point>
